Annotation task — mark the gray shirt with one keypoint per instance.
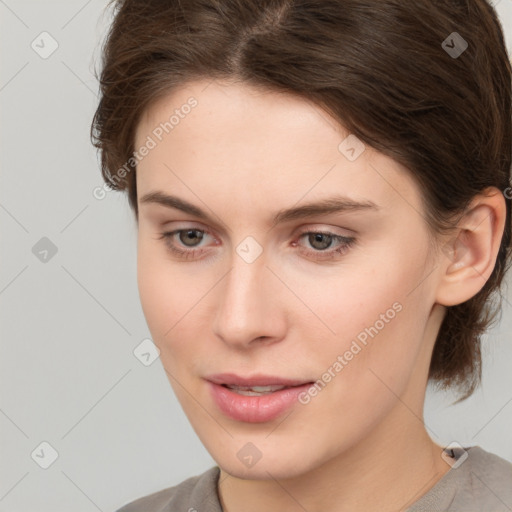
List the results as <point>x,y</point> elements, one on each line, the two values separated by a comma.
<point>482,482</point>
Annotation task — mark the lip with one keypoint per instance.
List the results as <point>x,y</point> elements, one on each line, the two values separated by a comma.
<point>255,409</point>
<point>256,380</point>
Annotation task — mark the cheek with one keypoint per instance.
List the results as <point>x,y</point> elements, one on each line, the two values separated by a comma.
<point>172,300</point>
<point>151,285</point>
<point>163,298</point>
<point>378,316</point>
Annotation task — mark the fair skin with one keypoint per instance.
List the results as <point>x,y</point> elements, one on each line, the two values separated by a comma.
<point>241,155</point>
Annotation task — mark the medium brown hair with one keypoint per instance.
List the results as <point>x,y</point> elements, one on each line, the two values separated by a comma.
<point>385,69</point>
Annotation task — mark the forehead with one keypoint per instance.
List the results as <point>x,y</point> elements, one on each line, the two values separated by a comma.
<point>259,145</point>
<point>216,109</point>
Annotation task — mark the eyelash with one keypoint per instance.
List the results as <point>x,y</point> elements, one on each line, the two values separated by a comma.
<point>346,242</point>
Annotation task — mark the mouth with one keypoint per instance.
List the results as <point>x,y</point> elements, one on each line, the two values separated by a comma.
<point>257,383</point>
<point>255,399</point>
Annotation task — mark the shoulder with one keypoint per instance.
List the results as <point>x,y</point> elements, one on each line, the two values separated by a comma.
<point>197,492</point>
<point>481,459</point>
<point>490,475</point>
<point>479,481</point>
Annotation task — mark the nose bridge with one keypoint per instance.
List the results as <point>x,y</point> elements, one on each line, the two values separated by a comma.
<point>243,313</point>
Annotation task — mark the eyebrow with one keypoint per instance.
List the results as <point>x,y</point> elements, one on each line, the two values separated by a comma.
<point>334,204</point>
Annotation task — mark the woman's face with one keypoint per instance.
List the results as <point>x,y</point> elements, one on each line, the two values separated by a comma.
<point>281,300</point>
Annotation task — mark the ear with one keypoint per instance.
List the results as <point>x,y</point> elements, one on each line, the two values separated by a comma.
<point>468,259</point>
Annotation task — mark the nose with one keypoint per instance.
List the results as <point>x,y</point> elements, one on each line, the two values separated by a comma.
<point>250,307</point>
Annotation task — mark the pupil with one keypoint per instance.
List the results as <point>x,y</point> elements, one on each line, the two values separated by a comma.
<point>188,232</point>
<point>317,237</point>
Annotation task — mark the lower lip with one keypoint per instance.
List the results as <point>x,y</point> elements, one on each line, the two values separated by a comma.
<point>255,409</point>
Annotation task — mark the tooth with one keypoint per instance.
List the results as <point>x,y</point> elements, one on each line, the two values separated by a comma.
<point>255,390</point>
<point>264,389</point>
<point>247,392</point>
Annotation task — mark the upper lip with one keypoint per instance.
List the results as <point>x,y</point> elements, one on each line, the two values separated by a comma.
<point>232,379</point>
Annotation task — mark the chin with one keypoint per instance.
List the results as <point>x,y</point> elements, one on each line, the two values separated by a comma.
<point>268,472</point>
<point>274,467</point>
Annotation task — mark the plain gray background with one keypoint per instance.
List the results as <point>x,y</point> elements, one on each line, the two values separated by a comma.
<point>71,319</point>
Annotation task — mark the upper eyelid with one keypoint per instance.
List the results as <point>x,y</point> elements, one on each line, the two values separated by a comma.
<point>300,230</point>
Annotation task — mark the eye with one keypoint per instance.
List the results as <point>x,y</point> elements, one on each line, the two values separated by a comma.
<point>321,241</point>
<point>185,236</point>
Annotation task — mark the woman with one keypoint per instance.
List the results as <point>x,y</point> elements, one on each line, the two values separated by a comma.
<point>321,195</point>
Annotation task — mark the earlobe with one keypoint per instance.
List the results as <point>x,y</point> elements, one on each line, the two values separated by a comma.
<point>468,258</point>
